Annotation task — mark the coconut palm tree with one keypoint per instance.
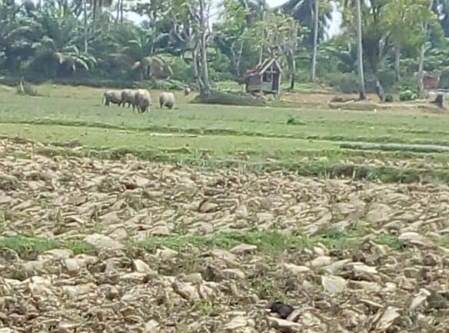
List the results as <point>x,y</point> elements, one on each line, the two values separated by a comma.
<point>315,15</point>
<point>97,6</point>
<point>441,8</point>
<point>56,46</point>
<point>120,10</point>
<point>14,31</point>
<point>362,90</point>
<point>316,22</point>
<point>255,9</point>
<point>353,10</point>
<point>422,53</point>
<point>85,26</point>
<point>304,12</point>
<point>137,49</point>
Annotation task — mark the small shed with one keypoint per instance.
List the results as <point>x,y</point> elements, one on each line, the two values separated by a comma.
<point>430,81</point>
<point>264,78</point>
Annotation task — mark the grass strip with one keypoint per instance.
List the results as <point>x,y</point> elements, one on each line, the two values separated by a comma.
<point>397,147</point>
<point>267,242</point>
<point>311,168</point>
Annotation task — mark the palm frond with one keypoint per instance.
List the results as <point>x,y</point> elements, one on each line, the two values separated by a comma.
<point>60,58</point>
<point>81,62</point>
<point>136,65</point>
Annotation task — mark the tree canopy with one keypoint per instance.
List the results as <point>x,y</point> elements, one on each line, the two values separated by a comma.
<point>197,42</point>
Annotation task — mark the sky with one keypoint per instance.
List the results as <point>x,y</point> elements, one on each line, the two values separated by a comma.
<point>334,25</point>
<point>333,29</point>
<point>336,19</point>
<point>276,2</point>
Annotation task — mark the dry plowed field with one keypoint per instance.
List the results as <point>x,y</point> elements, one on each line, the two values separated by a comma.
<point>128,245</point>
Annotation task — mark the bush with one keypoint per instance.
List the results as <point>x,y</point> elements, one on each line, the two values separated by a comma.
<point>406,83</point>
<point>220,68</point>
<point>349,82</point>
<point>161,84</point>
<point>389,98</point>
<point>227,86</point>
<point>89,82</point>
<point>24,88</point>
<point>407,95</point>
<point>387,79</point>
<point>216,76</point>
<point>293,121</point>
<point>182,71</point>
<point>217,97</point>
<point>344,82</point>
<point>103,83</point>
<point>93,82</point>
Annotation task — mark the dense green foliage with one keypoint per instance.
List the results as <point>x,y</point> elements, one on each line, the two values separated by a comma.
<point>93,40</point>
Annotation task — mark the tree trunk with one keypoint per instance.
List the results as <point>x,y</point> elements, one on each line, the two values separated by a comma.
<point>94,10</point>
<point>422,54</point>
<point>292,62</point>
<point>121,11</point>
<point>397,62</point>
<point>94,15</point>
<point>149,72</point>
<point>362,90</point>
<point>195,64</point>
<point>292,79</point>
<point>262,43</point>
<point>117,15</point>
<point>204,73</point>
<point>239,58</point>
<point>380,90</point>
<point>85,25</point>
<point>315,38</point>
<point>236,53</point>
<point>196,57</point>
<point>142,73</point>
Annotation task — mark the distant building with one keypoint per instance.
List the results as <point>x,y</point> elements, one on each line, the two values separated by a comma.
<point>264,78</point>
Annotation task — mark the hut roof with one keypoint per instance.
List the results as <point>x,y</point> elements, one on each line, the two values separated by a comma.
<point>262,67</point>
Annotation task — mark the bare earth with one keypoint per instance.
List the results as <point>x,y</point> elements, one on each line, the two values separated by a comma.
<point>375,260</point>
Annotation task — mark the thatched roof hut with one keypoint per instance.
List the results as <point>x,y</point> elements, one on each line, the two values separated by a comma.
<point>264,78</point>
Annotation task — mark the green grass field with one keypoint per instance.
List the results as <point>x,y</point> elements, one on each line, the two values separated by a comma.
<point>305,139</point>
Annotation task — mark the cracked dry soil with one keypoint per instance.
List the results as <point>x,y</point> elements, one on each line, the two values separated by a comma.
<point>399,285</point>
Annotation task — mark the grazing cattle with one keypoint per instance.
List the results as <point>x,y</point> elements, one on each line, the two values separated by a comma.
<point>129,98</point>
<point>167,99</point>
<point>112,96</point>
<point>143,100</point>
